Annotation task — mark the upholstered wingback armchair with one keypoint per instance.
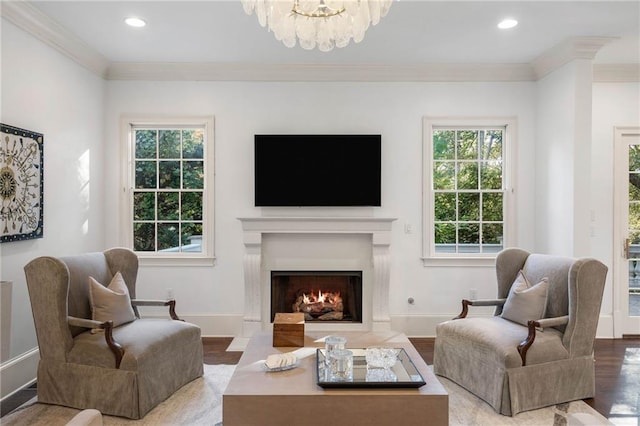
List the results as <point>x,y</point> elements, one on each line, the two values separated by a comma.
<point>516,363</point>
<point>122,370</point>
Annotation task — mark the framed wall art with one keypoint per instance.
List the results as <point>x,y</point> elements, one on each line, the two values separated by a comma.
<point>21,184</point>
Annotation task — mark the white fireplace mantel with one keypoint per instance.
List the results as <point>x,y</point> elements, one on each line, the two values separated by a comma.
<point>255,227</point>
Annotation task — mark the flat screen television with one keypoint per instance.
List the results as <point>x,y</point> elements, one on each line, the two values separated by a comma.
<point>317,170</point>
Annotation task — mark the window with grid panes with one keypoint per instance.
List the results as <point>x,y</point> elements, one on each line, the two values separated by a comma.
<point>466,177</point>
<point>170,178</point>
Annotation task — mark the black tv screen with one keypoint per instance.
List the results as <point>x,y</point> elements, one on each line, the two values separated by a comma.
<point>317,170</point>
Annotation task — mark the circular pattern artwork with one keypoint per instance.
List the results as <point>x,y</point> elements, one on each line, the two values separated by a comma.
<point>21,184</point>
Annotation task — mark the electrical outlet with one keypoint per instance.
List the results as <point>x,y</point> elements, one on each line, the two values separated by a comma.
<point>408,228</point>
<point>170,294</point>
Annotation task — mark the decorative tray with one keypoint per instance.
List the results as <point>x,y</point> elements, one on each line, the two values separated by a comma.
<point>403,374</point>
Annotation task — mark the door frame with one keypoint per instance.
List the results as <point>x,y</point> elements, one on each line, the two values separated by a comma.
<point>622,322</point>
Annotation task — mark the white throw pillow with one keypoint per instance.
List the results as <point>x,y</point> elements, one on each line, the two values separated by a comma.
<point>112,302</point>
<point>526,302</point>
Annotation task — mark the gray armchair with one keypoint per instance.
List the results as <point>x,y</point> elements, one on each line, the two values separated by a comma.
<point>516,367</point>
<point>125,371</point>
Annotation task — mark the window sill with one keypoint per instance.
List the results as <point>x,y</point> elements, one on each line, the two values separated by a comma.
<point>150,260</point>
<point>482,262</point>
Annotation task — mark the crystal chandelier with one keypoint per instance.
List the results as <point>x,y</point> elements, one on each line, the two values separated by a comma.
<point>318,23</point>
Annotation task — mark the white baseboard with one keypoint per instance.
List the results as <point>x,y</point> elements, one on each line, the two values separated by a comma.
<point>19,372</point>
<point>217,325</point>
<point>418,325</point>
<point>234,325</point>
<point>414,325</point>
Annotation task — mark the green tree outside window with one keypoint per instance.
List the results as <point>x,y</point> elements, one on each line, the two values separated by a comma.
<point>168,200</point>
<point>467,184</point>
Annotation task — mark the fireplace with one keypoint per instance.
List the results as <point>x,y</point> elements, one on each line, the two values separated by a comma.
<point>323,296</point>
<point>312,243</point>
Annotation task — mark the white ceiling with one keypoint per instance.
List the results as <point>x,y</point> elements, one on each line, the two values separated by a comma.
<point>414,32</point>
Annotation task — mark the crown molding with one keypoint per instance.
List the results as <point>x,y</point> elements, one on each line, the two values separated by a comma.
<point>616,73</point>
<point>33,21</point>
<point>320,72</point>
<point>571,49</point>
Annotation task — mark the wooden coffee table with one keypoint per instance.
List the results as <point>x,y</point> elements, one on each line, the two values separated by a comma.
<point>257,397</point>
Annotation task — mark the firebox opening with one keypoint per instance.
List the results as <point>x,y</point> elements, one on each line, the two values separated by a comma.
<point>323,296</point>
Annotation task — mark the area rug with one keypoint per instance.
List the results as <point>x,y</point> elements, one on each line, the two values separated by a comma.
<point>200,403</point>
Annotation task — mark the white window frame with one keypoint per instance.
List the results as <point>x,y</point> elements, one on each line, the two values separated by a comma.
<point>509,148</point>
<point>127,125</point>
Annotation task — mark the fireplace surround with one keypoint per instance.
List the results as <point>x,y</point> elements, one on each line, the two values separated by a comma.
<point>316,243</point>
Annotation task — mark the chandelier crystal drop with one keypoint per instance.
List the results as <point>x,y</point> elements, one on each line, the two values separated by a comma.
<point>318,23</point>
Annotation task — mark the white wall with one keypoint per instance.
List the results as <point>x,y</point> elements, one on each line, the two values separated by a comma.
<point>562,146</point>
<point>394,110</point>
<point>48,93</point>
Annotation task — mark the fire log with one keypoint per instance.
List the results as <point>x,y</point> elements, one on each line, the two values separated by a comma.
<point>331,316</point>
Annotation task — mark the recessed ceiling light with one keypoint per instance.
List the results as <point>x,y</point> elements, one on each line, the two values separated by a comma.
<point>135,22</point>
<point>507,23</point>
